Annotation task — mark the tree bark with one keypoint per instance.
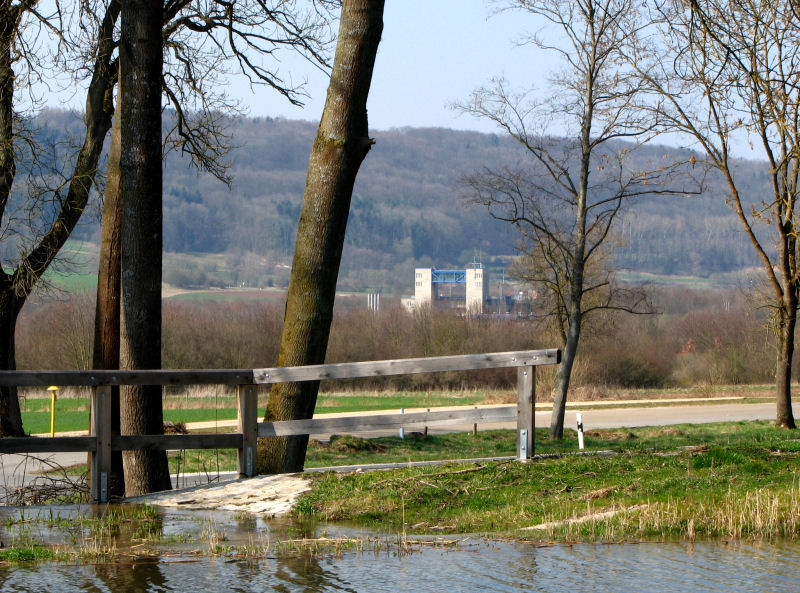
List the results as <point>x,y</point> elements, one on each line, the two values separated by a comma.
<point>563,376</point>
<point>783,370</point>
<point>341,145</point>
<point>10,415</point>
<point>141,185</point>
<point>107,310</point>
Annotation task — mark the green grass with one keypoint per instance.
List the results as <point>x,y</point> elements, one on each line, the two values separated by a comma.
<point>72,282</point>
<point>725,480</point>
<point>73,413</point>
<point>26,553</point>
<point>66,421</point>
<point>740,480</point>
<point>347,450</point>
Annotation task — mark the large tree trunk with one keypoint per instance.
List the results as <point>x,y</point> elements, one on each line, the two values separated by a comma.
<point>107,311</point>
<point>563,376</point>
<point>341,144</point>
<point>10,416</point>
<point>141,184</point>
<point>783,370</point>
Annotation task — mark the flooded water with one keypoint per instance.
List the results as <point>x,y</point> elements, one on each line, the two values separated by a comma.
<point>167,550</point>
<point>474,566</point>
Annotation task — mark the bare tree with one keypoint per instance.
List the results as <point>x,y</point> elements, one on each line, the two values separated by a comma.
<point>723,71</point>
<point>566,197</point>
<point>341,145</point>
<point>49,214</point>
<point>537,266</point>
<point>248,34</point>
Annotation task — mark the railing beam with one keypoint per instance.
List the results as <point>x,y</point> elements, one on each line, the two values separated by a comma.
<point>386,421</point>
<point>407,366</point>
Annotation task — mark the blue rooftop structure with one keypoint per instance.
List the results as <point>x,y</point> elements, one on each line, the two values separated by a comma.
<point>449,276</point>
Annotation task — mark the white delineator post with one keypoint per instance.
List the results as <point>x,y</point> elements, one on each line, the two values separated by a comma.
<point>579,418</point>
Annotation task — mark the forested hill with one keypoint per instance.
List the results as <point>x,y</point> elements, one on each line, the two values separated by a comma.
<point>406,210</point>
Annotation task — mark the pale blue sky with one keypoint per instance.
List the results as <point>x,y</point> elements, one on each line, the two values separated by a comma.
<point>432,53</point>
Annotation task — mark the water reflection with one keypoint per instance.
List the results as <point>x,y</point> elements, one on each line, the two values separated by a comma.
<point>476,567</point>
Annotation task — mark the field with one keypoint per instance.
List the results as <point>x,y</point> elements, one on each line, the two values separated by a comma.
<point>72,413</point>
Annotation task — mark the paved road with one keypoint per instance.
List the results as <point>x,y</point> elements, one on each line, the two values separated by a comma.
<point>595,417</point>
<point>666,415</point>
<point>16,470</point>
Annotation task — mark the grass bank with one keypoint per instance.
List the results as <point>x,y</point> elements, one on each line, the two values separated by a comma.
<point>731,480</point>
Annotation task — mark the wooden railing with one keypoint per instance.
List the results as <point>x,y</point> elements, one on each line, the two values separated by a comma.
<point>100,443</point>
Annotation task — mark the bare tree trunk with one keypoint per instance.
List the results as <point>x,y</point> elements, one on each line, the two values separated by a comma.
<point>783,370</point>
<point>141,186</point>
<point>563,377</point>
<point>107,311</point>
<point>341,144</point>
<point>10,415</point>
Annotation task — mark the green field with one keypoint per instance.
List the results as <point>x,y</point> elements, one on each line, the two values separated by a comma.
<point>73,413</point>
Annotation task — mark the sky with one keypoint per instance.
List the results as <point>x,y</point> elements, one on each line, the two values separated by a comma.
<point>432,53</point>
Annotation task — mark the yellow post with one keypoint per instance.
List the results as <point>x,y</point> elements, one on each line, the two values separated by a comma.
<point>53,394</point>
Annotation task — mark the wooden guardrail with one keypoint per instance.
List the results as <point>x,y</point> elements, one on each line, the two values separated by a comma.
<point>100,443</point>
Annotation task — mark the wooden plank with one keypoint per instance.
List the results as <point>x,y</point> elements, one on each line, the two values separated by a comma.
<point>116,377</point>
<point>526,419</point>
<point>100,428</point>
<point>280,374</point>
<point>386,421</point>
<point>47,444</point>
<point>247,423</point>
<point>174,442</point>
<point>407,366</point>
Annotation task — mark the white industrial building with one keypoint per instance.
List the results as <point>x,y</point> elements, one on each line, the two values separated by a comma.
<point>467,289</point>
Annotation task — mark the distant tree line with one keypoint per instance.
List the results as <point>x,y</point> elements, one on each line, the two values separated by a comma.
<point>405,209</point>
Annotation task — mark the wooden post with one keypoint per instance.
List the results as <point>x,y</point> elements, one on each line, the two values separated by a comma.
<point>526,418</point>
<point>101,429</point>
<point>248,427</point>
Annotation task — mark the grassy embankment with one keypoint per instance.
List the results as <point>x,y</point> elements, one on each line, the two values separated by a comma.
<point>726,480</point>
<point>730,480</point>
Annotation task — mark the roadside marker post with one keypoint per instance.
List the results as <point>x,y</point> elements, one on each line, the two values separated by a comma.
<point>53,389</point>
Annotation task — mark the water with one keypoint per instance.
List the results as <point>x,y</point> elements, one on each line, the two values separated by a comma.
<point>475,566</point>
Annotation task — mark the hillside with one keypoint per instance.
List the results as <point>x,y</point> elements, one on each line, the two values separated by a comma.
<point>406,211</point>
